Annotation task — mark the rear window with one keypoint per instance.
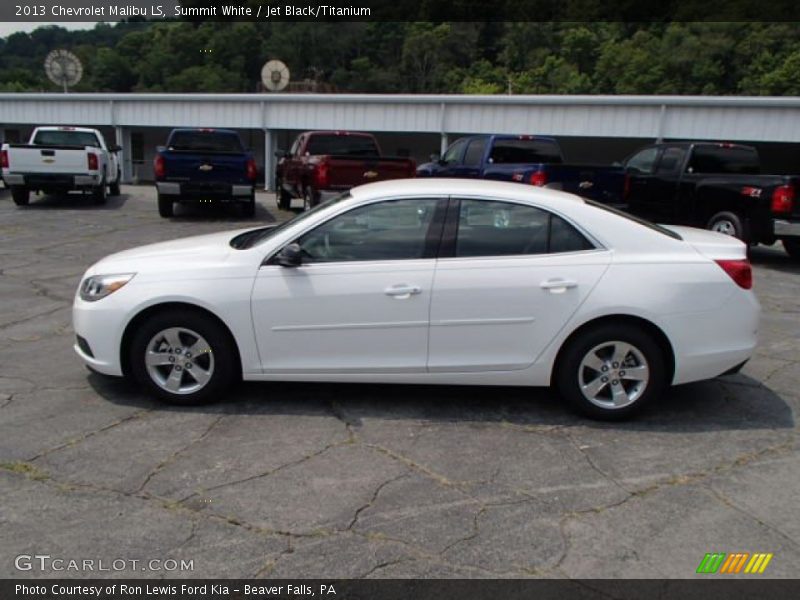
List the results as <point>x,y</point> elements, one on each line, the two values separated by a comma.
<point>79,139</point>
<point>724,159</point>
<point>648,224</point>
<point>206,141</point>
<point>525,151</point>
<point>342,145</point>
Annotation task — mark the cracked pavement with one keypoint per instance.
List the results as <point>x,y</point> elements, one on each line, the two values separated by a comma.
<point>349,481</point>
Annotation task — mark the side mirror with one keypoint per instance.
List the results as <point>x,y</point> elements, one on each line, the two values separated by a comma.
<point>115,148</point>
<point>281,154</point>
<point>616,163</point>
<point>435,158</point>
<point>290,256</point>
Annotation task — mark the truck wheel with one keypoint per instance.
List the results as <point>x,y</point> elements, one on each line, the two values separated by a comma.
<point>611,371</point>
<point>283,197</point>
<point>20,195</point>
<point>100,193</point>
<point>249,207</point>
<point>728,223</point>
<point>310,199</point>
<point>165,206</point>
<point>792,247</point>
<point>115,191</point>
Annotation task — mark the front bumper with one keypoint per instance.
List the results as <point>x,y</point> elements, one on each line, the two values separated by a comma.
<point>785,228</point>
<point>100,326</point>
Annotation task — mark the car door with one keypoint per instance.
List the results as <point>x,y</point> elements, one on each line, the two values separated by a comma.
<point>664,186</point>
<point>470,167</point>
<point>452,160</point>
<point>509,278</point>
<point>359,302</point>
<point>640,169</point>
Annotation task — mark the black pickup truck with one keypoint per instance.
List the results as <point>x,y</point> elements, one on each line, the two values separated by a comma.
<point>714,186</point>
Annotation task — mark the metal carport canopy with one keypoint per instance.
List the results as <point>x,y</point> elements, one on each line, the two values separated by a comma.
<point>742,118</point>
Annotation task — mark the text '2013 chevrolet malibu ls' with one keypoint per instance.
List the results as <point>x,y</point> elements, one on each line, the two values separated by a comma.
<point>428,282</point>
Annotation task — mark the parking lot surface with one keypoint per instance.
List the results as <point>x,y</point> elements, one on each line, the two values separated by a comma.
<point>315,480</point>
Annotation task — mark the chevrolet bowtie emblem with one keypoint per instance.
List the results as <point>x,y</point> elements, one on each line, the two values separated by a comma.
<point>206,167</point>
<point>370,174</point>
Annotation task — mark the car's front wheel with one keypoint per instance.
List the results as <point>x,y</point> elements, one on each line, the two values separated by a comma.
<point>611,371</point>
<point>183,357</point>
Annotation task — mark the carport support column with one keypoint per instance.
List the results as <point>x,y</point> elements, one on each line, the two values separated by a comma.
<point>269,160</point>
<point>443,144</point>
<point>123,139</point>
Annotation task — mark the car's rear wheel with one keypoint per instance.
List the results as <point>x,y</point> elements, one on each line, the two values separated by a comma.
<point>183,358</point>
<point>310,199</point>
<point>249,207</point>
<point>165,206</point>
<point>100,193</point>
<point>611,371</point>
<point>728,223</point>
<point>283,197</point>
<point>20,195</point>
<point>114,187</point>
<point>792,247</point>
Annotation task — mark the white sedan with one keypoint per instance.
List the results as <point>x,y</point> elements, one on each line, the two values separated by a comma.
<point>432,282</point>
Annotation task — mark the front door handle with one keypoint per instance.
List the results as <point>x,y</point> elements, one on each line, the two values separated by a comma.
<point>402,291</point>
<point>558,286</point>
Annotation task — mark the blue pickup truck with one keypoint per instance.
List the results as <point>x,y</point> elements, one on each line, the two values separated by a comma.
<point>533,160</point>
<point>205,165</point>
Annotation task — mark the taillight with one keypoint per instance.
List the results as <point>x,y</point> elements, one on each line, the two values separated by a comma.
<point>739,270</point>
<point>252,170</point>
<point>91,161</point>
<point>321,176</point>
<point>538,178</point>
<point>783,199</point>
<point>626,187</point>
<point>4,159</point>
<point>158,166</point>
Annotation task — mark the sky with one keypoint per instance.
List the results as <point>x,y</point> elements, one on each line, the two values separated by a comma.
<point>7,28</point>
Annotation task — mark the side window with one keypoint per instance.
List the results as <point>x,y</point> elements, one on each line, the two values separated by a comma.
<point>488,228</point>
<point>295,146</point>
<point>475,152</point>
<point>389,230</point>
<point>454,152</point>
<point>671,160</point>
<point>644,161</point>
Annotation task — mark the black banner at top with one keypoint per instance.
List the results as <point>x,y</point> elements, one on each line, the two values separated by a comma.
<point>399,10</point>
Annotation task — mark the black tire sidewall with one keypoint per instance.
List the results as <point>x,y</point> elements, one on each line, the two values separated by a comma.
<point>735,219</point>
<point>165,206</point>
<point>566,376</point>
<point>792,247</point>
<point>221,347</point>
<point>20,196</point>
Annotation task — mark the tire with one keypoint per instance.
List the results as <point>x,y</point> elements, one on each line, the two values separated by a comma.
<point>200,377</point>
<point>310,199</point>
<point>165,206</point>
<point>100,193</point>
<point>114,188</point>
<point>249,207</point>
<point>792,247</point>
<point>728,223</point>
<point>20,195</point>
<point>283,198</point>
<point>596,346</point>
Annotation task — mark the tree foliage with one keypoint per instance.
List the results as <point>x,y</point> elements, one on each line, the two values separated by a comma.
<point>423,57</point>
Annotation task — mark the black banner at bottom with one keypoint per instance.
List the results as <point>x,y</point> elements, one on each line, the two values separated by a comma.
<point>400,589</point>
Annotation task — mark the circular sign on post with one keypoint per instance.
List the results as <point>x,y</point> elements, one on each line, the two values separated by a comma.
<point>63,68</point>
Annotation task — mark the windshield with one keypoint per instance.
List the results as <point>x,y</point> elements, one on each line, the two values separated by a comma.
<point>342,145</point>
<point>251,238</point>
<point>66,138</point>
<point>630,217</point>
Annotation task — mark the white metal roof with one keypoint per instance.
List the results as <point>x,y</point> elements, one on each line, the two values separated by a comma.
<point>734,118</point>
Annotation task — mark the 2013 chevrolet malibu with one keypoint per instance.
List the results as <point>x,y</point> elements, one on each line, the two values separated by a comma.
<point>428,281</point>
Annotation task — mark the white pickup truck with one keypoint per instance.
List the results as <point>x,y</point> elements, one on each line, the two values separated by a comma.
<point>59,160</point>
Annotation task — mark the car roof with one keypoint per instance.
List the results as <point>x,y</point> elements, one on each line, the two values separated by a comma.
<point>462,187</point>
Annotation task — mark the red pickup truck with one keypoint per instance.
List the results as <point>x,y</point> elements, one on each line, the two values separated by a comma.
<point>322,163</point>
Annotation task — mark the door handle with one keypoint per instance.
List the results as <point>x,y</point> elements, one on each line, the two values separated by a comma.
<point>558,286</point>
<point>402,291</point>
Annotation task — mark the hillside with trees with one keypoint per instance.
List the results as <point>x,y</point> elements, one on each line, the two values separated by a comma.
<point>425,57</point>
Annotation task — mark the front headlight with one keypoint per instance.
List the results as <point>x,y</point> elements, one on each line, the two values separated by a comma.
<point>99,286</point>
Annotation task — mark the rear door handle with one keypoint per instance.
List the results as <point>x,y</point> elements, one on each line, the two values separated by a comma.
<point>558,286</point>
<point>402,291</point>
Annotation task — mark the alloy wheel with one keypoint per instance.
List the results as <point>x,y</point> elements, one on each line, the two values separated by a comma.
<point>613,375</point>
<point>179,360</point>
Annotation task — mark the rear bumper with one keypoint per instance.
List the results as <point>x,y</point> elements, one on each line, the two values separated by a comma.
<point>51,181</point>
<point>205,191</point>
<point>785,228</point>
